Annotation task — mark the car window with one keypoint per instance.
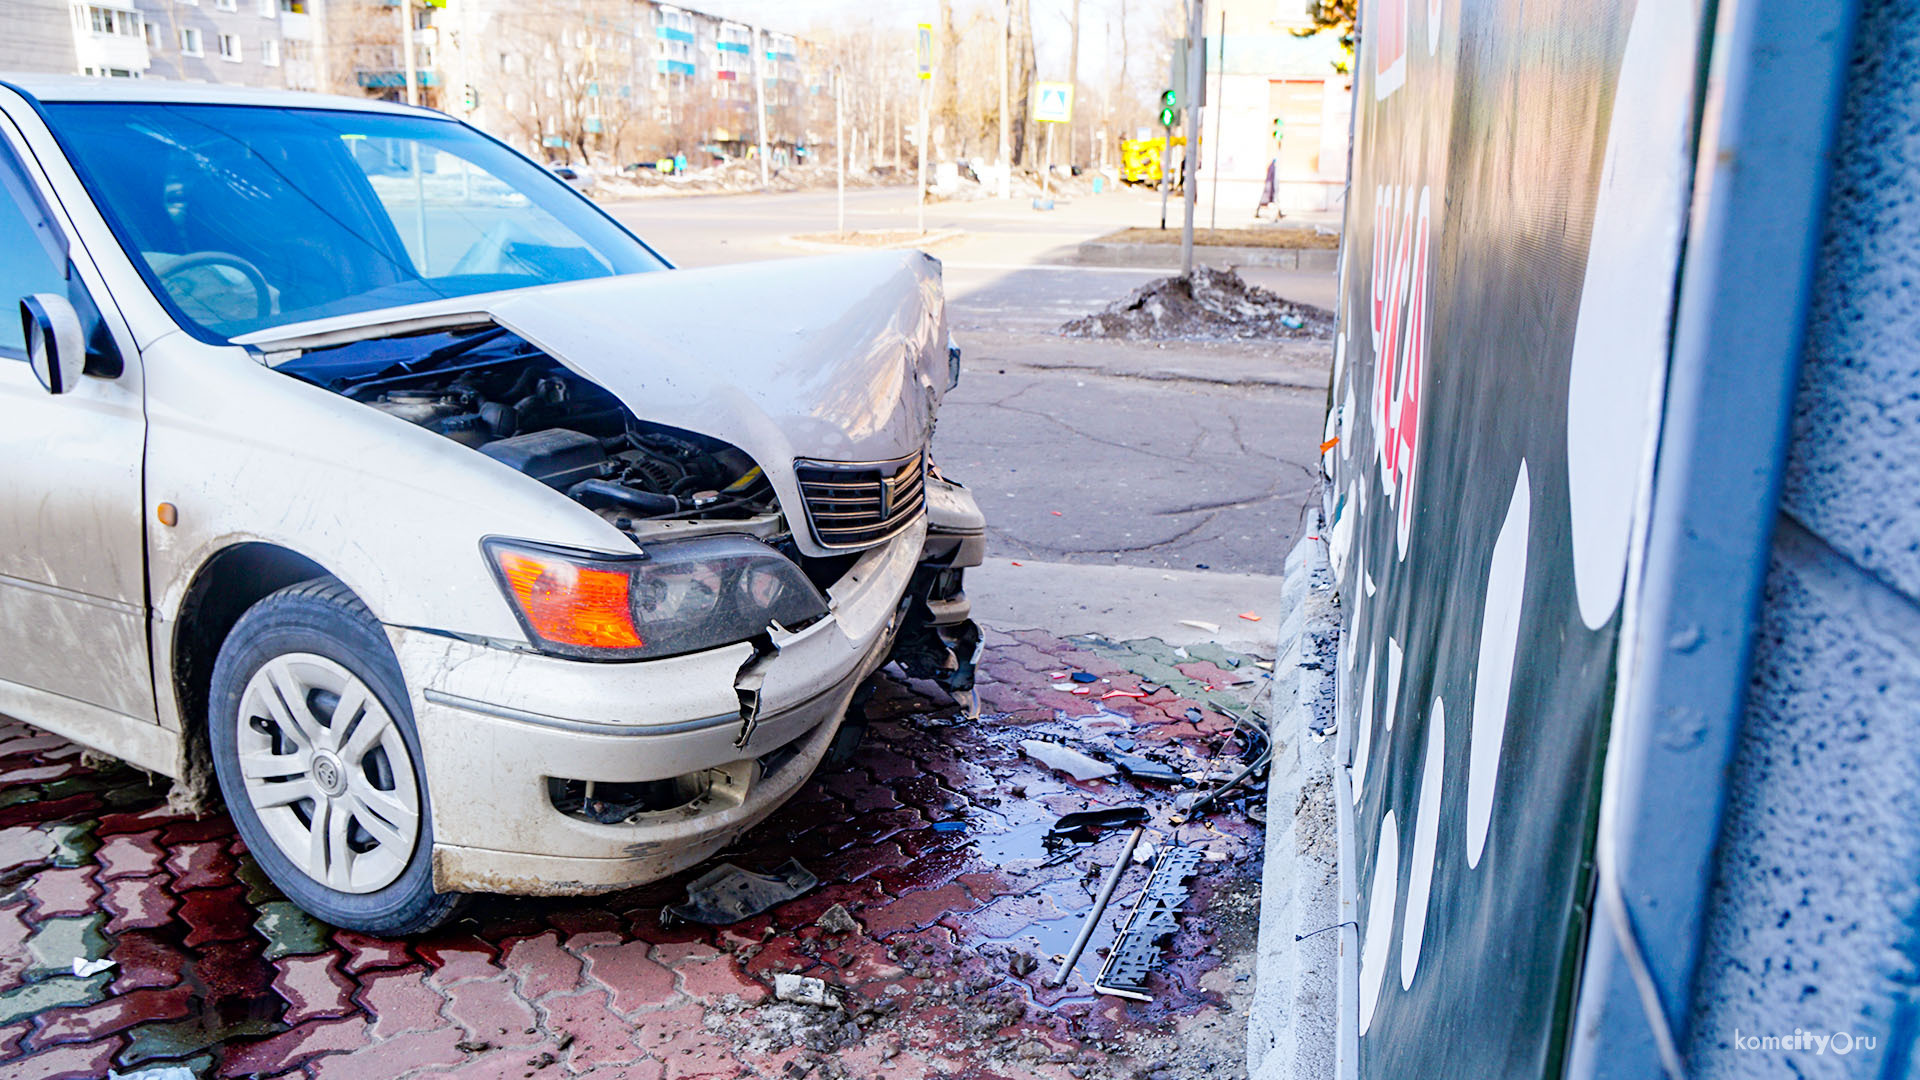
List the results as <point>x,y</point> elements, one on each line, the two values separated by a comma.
<point>247,217</point>
<point>32,259</point>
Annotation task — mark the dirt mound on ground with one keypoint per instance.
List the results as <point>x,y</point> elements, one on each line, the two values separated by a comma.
<point>1212,305</point>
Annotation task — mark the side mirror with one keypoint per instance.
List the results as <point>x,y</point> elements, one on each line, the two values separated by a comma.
<point>56,345</point>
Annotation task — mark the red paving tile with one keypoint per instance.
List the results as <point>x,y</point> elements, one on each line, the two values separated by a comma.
<point>599,1037</point>
<point>488,1011</point>
<point>607,990</point>
<point>88,1060</point>
<point>636,980</point>
<point>313,987</point>
<point>400,1001</point>
<point>138,903</point>
<point>298,1045</point>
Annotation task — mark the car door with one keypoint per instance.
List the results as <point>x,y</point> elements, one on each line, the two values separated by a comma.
<point>73,611</point>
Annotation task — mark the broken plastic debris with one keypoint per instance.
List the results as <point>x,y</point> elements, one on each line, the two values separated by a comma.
<point>1139,768</point>
<point>949,826</point>
<point>1249,616</point>
<point>170,1072</point>
<point>726,894</point>
<point>1085,676</point>
<point>1059,675</point>
<point>1144,852</point>
<point>1120,693</point>
<point>1082,690</point>
<point>1055,513</point>
<point>1066,760</point>
<point>1326,446</point>
<point>86,968</point>
<point>1197,624</point>
<point>801,989</point>
<point>1104,817</point>
<point>838,920</point>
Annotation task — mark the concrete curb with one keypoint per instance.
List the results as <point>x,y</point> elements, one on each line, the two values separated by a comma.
<point>1292,1021</point>
<point>1158,256</point>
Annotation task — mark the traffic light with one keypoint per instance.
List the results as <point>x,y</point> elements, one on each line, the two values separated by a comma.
<point>1169,108</point>
<point>1279,128</point>
<point>471,99</point>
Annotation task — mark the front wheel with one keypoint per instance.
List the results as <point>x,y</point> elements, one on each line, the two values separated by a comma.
<point>319,762</point>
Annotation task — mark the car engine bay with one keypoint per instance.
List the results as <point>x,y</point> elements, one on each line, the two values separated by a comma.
<point>495,392</point>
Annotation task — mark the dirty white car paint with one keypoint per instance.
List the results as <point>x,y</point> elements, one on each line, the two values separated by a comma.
<point>107,596</point>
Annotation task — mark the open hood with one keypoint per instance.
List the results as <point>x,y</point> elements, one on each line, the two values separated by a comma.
<point>838,358</point>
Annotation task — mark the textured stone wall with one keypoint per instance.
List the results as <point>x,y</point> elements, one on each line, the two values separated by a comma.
<point>1815,919</point>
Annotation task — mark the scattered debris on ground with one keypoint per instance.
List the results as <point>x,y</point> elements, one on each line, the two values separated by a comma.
<point>935,945</point>
<point>1212,305</point>
<point>727,894</point>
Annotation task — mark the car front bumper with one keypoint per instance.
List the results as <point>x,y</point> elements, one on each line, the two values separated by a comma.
<point>498,726</point>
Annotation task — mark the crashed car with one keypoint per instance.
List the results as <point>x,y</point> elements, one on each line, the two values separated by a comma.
<point>363,474</point>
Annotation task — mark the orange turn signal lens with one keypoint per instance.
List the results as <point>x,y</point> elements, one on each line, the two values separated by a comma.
<point>569,604</point>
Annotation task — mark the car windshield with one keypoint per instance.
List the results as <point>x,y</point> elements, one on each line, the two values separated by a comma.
<point>244,217</point>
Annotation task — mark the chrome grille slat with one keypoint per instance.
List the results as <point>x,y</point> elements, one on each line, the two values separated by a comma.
<point>859,505</point>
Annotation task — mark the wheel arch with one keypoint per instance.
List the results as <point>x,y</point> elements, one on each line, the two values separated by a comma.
<point>224,586</point>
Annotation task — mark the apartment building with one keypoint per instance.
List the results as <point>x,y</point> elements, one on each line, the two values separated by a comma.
<point>250,42</point>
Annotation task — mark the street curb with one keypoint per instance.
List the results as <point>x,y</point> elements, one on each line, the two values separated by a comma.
<point>1291,1022</point>
<point>1156,256</point>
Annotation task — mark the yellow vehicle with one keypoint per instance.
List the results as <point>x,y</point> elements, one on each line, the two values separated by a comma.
<point>1140,159</point>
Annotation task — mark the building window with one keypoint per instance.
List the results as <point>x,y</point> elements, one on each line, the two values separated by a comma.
<point>113,21</point>
<point>294,7</point>
<point>230,48</point>
<point>270,52</point>
<point>151,31</point>
<point>227,5</point>
<point>190,41</point>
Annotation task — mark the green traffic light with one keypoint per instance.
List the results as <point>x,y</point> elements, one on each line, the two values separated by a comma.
<point>1168,100</point>
<point>1167,117</point>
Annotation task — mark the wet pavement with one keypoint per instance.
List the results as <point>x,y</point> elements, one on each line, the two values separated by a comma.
<point>932,839</point>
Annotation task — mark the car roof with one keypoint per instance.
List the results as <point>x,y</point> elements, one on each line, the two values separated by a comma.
<point>167,91</point>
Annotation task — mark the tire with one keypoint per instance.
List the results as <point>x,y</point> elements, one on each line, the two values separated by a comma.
<point>369,864</point>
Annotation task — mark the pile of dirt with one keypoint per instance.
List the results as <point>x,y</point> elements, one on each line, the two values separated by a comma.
<point>1212,305</point>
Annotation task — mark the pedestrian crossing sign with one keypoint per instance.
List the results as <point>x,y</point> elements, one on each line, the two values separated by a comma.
<point>1055,102</point>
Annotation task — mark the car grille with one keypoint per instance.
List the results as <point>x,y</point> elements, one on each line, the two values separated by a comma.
<point>859,505</point>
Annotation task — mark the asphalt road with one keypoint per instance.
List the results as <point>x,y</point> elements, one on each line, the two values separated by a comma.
<point>1178,457</point>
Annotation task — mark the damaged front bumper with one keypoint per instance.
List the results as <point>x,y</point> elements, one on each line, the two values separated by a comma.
<point>551,776</point>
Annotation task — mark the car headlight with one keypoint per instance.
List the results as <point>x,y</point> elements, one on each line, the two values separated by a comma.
<point>668,599</point>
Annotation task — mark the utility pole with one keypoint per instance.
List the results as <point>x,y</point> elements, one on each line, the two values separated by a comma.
<point>1219,114</point>
<point>1006,104</point>
<point>759,102</point>
<point>840,142</point>
<point>1196,53</point>
<point>405,8</point>
<point>923,84</point>
<point>1073,76</point>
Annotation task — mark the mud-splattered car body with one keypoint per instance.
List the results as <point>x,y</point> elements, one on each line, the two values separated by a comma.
<point>758,430</point>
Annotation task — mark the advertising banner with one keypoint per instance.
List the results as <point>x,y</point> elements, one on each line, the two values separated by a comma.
<point>1521,172</point>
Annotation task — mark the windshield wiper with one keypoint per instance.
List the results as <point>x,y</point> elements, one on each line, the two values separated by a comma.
<point>435,360</point>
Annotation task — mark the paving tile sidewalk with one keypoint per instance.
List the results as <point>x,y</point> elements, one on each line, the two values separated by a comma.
<point>931,839</point>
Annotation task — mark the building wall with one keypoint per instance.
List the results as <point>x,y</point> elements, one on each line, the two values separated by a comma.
<point>1815,917</point>
<point>1258,71</point>
<point>254,24</point>
<point>38,37</point>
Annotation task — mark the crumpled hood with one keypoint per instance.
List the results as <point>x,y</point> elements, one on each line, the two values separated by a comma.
<point>842,357</point>
<point>837,358</point>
